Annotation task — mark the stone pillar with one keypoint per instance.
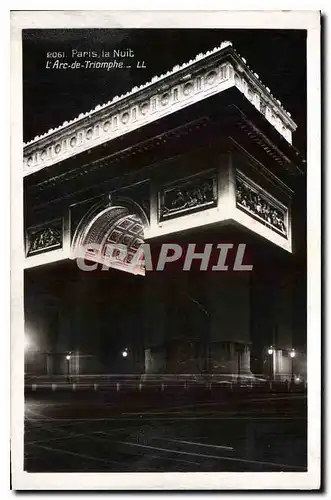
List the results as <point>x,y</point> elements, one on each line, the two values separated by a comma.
<point>187,322</point>
<point>283,325</point>
<point>155,322</point>
<point>229,305</point>
<point>262,321</point>
<point>283,312</point>
<point>78,326</point>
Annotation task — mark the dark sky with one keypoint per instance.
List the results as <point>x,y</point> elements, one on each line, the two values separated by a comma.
<point>53,96</point>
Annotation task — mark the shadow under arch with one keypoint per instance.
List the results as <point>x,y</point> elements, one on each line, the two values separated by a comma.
<point>111,233</point>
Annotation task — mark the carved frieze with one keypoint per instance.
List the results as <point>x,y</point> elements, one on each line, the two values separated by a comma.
<point>119,118</point>
<point>44,238</point>
<point>257,203</point>
<point>192,195</point>
<point>206,75</point>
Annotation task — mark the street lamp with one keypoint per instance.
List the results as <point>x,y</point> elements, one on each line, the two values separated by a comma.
<point>68,358</point>
<point>271,362</point>
<point>27,352</point>
<point>125,353</point>
<point>27,343</point>
<point>292,356</point>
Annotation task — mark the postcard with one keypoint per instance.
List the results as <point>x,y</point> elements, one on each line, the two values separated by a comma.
<point>165,250</point>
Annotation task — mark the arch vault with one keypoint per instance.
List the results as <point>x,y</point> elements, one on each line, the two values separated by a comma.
<point>112,236</point>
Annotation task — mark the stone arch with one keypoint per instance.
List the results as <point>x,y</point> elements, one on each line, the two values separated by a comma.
<point>111,233</point>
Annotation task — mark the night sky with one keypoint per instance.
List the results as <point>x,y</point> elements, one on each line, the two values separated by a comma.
<point>53,96</point>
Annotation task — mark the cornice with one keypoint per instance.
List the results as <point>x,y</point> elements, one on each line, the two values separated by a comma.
<point>205,75</point>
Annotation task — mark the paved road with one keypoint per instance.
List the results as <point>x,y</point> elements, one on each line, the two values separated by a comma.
<point>108,432</point>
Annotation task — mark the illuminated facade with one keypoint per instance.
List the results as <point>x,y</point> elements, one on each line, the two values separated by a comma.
<point>200,154</point>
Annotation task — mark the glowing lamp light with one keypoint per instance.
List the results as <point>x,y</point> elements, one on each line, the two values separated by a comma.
<point>68,357</point>
<point>292,353</point>
<point>27,343</point>
<point>270,351</point>
<point>125,353</point>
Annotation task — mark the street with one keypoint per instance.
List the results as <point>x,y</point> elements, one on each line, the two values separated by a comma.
<point>104,431</point>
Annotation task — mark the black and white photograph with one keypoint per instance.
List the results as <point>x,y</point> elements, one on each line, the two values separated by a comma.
<point>165,283</point>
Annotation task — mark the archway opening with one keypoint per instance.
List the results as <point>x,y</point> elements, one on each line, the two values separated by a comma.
<point>112,238</point>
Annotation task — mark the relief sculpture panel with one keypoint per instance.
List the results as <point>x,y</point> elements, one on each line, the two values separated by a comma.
<point>45,238</point>
<point>193,195</point>
<point>257,203</point>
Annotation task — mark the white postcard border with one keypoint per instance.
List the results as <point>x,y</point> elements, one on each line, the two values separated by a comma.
<point>169,481</point>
